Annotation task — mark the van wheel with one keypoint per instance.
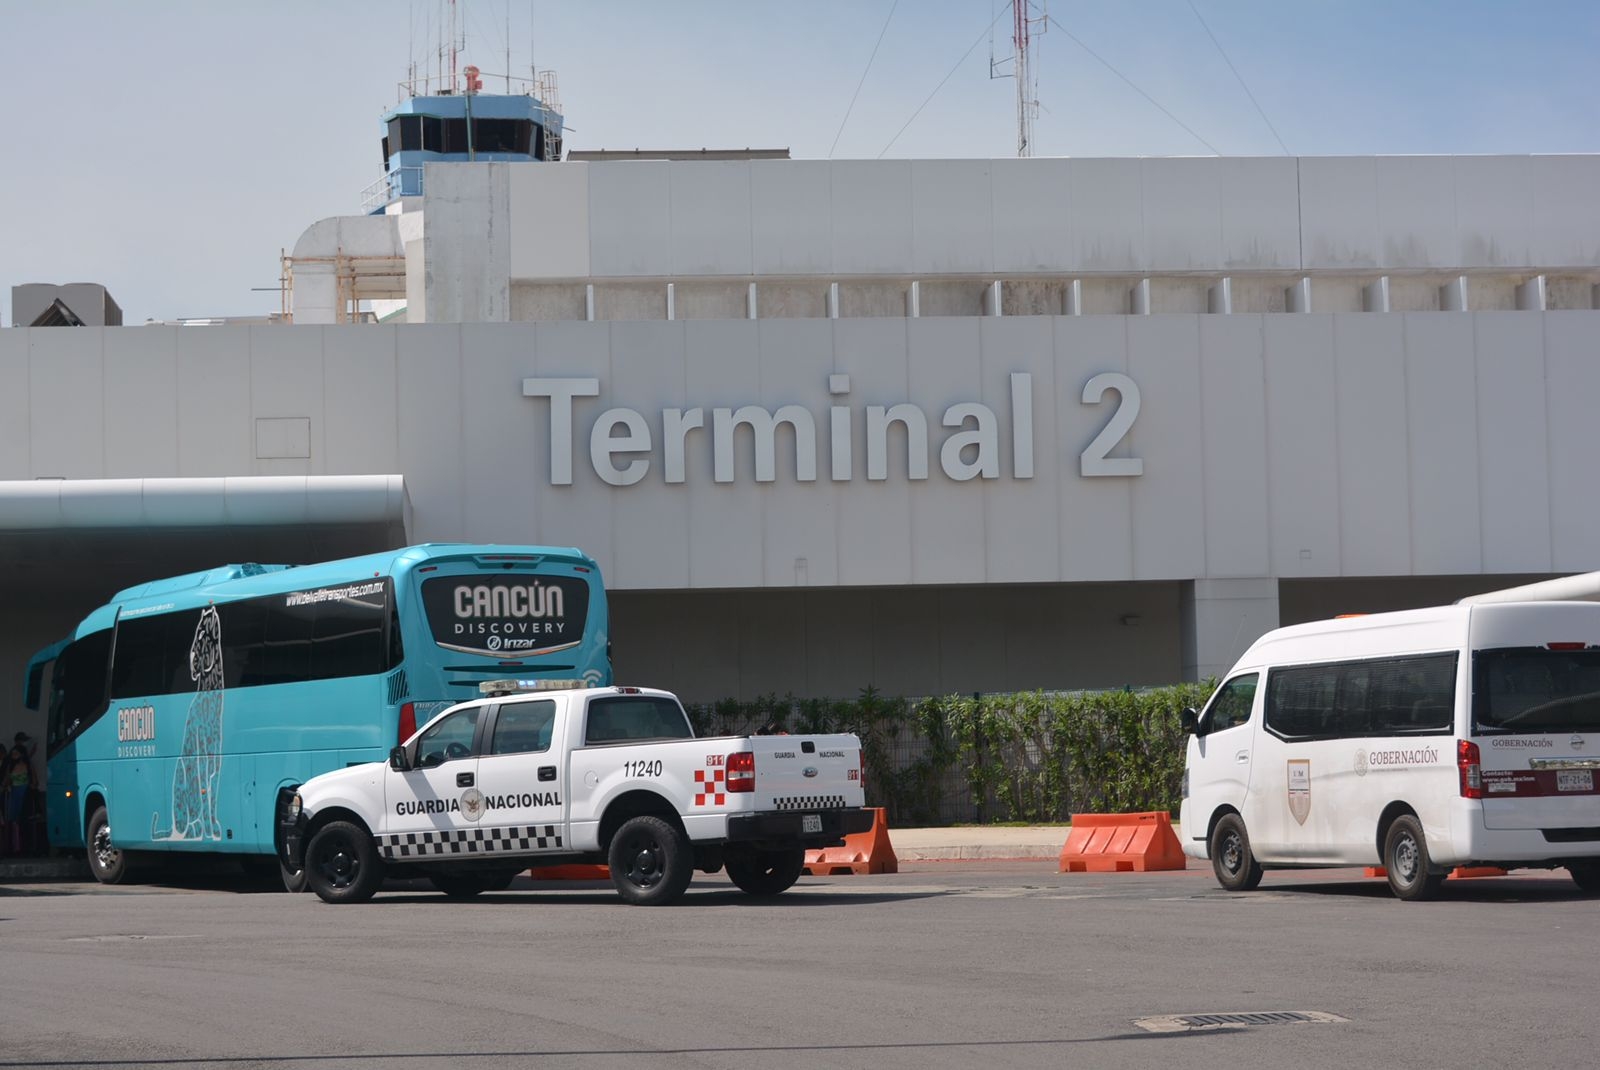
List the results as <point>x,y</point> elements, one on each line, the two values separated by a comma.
<point>1235,866</point>
<point>342,865</point>
<point>765,872</point>
<point>651,863</point>
<point>109,865</point>
<point>1405,856</point>
<point>1586,875</point>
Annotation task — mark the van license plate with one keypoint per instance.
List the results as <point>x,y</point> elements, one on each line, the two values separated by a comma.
<point>1575,780</point>
<point>813,822</point>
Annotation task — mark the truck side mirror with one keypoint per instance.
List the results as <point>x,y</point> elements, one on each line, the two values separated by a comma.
<point>1190,720</point>
<point>399,760</point>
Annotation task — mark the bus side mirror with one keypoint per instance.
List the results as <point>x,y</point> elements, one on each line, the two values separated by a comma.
<point>1190,720</point>
<point>398,760</point>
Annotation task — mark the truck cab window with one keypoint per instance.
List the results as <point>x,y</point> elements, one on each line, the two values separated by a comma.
<point>450,738</point>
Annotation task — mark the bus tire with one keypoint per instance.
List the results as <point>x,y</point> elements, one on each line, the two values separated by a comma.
<point>765,872</point>
<point>294,880</point>
<point>109,865</point>
<point>1231,859</point>
<point>1405,856</point>
<point>651,863</point>
<point>342,865</point>
<point>1586,875</point>
<point>460,885</point>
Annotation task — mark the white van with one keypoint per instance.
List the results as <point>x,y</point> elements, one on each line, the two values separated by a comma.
<point>1465,735</point>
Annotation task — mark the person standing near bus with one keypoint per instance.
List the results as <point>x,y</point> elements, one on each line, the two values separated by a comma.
<point>17,779</point>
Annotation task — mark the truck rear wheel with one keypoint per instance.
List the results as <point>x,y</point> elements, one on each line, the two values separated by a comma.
<point>765,872</point>
<point>342,865</point>
<point>651,863</point>
<point>1586,875</point>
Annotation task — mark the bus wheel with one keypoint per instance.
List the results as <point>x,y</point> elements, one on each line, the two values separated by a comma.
<point>651,863</point>
<point>1236,868</point>
<point>109,865</point>
<point>342,864</point>
<point>1586,875</point>
<point>294,880</point>
<point>1405,856</point>
<point>765,872</point>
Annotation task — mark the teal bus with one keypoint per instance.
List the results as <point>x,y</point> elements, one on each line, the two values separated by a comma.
<point>178,709</point>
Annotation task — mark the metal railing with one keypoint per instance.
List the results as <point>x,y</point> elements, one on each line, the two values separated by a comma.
<point>401,182</point>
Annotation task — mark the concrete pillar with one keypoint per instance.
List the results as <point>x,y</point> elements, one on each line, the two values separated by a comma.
<point>1219,298</point>
<point>1220,619</point>
<point>1453,295</point>
<point>1074,298</point>
<point>1375,295</point>
<point>1139,299</point>
<point>914,300</point>
<point>672,303</point>
<point>833,300</point>
<point>1298,296</point>
<point>991,299</point>
<point>1531,295</point>
<point>750,302</point>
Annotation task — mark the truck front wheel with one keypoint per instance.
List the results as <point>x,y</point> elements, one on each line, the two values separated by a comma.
<point>342,864</point>
<point>651,863</point>
<point>765,872</point>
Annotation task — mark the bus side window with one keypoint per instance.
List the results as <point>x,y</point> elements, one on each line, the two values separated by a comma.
<point>79,684</point>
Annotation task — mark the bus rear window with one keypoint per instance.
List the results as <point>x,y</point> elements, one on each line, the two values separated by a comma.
<point>508,615</point>
<point>1534,689</point>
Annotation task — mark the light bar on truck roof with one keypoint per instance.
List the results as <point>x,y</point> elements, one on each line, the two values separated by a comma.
<point>520,687</point>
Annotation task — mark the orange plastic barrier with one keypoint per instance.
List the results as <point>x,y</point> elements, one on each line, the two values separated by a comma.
<point>571,872</point>
<point>1121,843</point>
<point>1460,873</point>
<point>863,852</point>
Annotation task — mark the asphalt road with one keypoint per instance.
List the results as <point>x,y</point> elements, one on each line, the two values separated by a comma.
<point>997,964</point>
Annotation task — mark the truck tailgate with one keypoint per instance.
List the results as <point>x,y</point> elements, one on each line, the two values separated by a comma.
<point>807,772</point>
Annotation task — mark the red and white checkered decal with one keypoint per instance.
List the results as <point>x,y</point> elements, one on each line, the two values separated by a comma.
<point>710,786</point>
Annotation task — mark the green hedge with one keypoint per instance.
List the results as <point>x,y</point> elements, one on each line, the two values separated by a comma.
<point>1031,757</point>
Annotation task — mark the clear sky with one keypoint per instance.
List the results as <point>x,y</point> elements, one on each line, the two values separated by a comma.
<point>170,149</point>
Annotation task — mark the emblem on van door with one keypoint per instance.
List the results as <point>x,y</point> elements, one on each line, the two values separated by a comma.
<point>809,771</point>
<point>1577,741</point>
<point>1300,788</point>
<point>1361,761</point>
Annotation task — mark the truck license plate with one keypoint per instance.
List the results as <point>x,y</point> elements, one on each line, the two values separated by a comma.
<point>813,822</point>
<point>1575,780</point>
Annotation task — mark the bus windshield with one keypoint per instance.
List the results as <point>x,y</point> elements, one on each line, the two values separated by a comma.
<point>1535,689</point>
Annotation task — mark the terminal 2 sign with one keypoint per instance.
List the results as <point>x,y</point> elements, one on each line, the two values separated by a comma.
<point>624,446</point>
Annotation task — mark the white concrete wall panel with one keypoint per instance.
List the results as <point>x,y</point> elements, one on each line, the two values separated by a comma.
<point>1182,213</point>
<point>727,532</point>
<point>874,519</point>
<point>791,205</point>
<point>1168,500</point>
<point>1022,516</point>
<point>428,406</point>
<point>361,433</point>
<point>1095,539</point>
<point>1260,206</point>
<point>141,370</point>
<point>947,516</point>
<point>286,382</point>
<point>802,534</point>
<point>710,217</point>
<point>1417,212</point>
<point>1566,215</point>
<point>1032,214</point>
<point>581,513</point>
<point>1512,416</point>
<point>1374,476</point>
<point>1494,210</point>
<point>1441,392</point>
<point>1572,365</point>
<point>1108,207</point>
<point>952,225</point>
<point>467,243</point>
<point>16,416</point>
<point>650,521</point>
<point>1339,213</point>
<point>871,216</point>
<point>1302,444</point>
<point>549,221</point>
<point>630,220</point>
<point>498,433</point>
<point>216,427</point>
<point>66,389</point>
<point>1233,447</point>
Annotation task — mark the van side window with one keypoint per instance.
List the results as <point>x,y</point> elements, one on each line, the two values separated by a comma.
<point>1231,706</point>
<point>1412,695</point>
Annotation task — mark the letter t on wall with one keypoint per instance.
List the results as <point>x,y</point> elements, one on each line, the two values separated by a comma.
<point>560,392</point>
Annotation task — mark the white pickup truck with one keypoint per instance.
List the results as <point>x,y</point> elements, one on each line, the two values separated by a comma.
<point>529,777</point>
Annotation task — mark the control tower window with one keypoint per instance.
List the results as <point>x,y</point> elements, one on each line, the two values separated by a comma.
<point>405,133</point>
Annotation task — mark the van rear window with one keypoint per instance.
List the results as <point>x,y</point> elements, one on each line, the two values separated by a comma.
<point>1533,689</point>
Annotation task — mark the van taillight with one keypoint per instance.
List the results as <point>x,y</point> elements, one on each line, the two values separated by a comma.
<point>742,771</point>
<point>1467,759</point>
<point>408,722</point>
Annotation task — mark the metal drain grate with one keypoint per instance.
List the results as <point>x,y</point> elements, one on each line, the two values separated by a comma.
<point>1178,1023</point>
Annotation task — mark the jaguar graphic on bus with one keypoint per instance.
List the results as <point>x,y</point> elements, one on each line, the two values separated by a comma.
<point>180,707</point>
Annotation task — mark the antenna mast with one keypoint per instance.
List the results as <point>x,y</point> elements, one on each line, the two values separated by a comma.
<point>1025,26</point>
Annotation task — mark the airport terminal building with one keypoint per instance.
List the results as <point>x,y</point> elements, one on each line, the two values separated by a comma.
<point>929,425</point>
